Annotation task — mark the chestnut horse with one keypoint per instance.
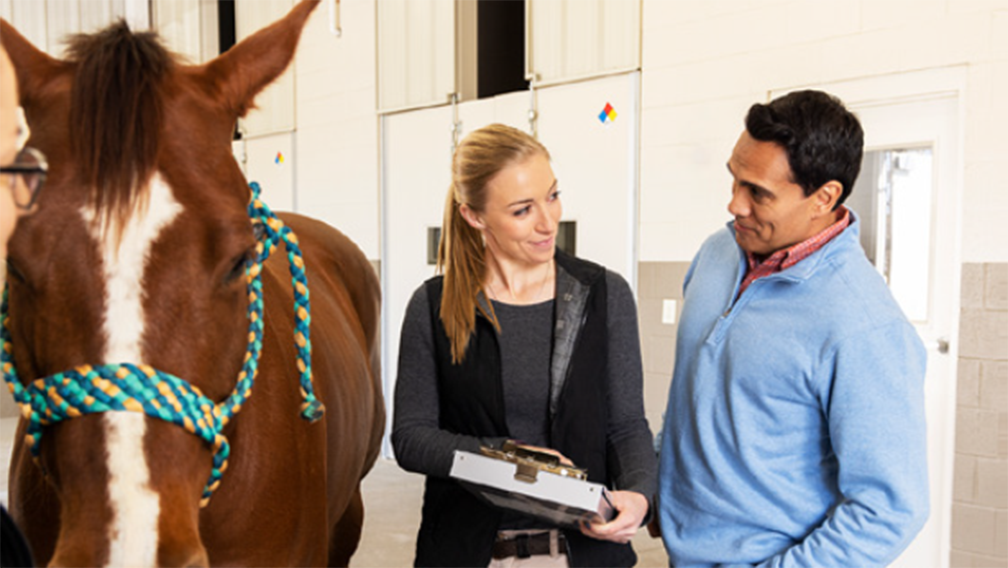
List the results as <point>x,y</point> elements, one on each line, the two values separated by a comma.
<point>142,263</point>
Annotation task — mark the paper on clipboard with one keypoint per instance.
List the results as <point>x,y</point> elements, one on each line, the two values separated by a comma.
<point>562,500</point>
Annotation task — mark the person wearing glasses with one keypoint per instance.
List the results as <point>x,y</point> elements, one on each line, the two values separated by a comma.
<point>22,171</point>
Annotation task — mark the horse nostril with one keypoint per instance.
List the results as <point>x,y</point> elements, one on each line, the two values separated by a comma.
<point>185,559</point>
<point>198,560</point>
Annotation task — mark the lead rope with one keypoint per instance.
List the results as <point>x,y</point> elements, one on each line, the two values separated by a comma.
<point>140,388</point>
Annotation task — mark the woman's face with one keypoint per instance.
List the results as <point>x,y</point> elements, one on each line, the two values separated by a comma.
<point>519,221</point>
<point>9,129</point>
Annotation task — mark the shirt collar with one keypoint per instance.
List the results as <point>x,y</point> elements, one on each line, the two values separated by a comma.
<point>786,258</point>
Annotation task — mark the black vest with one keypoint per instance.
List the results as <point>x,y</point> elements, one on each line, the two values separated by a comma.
<point>457,528</point>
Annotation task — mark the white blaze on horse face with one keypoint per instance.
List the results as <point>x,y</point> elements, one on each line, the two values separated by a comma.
<point>133,536</point>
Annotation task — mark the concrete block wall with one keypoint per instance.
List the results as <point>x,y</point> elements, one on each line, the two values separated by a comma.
<point>656,283</point>
<point>980,486</point>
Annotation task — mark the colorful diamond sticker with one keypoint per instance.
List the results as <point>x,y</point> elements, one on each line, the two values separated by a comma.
<point>279,159</point>
<point>608,114</point>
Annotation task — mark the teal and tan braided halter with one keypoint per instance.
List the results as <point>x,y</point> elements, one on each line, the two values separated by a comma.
<point>140,388</point>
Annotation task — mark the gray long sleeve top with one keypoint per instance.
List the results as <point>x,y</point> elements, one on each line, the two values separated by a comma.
<point>422,446</point>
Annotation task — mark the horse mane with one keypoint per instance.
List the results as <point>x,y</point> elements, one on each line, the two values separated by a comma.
<point>116,114</point>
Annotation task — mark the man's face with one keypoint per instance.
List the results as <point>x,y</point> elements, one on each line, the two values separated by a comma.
<point>771,211</point>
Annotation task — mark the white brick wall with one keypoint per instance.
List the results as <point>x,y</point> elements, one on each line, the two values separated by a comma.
<point>337,130</point>
<point>704,63</point>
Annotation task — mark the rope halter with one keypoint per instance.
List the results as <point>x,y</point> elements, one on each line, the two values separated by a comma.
<point>140,388</point>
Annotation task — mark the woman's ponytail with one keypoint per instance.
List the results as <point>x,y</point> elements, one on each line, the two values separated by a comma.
<point>462,259</point>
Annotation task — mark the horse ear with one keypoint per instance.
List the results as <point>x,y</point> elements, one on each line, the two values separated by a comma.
<point>243,71</point>
<point>33,67</point>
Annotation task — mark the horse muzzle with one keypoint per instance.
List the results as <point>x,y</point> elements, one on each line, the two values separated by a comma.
<point>184,557</point>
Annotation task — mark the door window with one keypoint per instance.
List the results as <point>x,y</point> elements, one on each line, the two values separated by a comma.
<point>893,199</point>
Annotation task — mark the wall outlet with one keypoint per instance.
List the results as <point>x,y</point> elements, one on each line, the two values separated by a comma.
<point>668,315</point>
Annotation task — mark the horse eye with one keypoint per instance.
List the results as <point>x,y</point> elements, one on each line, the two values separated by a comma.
<point>238,268</point>
<point>16,273</point>
<point>259,231</point>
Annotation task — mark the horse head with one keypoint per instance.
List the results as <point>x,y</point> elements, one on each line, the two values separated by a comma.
<point>137,254</point>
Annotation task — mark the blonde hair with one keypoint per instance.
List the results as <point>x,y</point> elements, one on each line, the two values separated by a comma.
<point>461,252</point>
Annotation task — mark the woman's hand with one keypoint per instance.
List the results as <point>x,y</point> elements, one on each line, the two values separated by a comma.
<point>632,507</point>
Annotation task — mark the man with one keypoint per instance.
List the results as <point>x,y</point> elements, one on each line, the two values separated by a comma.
<point>794,433</point>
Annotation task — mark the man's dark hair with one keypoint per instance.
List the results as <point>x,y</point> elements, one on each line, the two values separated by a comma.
<point>823,140</point>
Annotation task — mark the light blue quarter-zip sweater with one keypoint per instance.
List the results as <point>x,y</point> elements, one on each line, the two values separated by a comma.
<point>794,433</point>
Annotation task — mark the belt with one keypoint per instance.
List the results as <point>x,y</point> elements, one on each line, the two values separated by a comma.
<point>525,545</point>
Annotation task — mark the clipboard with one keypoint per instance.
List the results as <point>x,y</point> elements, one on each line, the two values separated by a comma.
<point>533,483</point>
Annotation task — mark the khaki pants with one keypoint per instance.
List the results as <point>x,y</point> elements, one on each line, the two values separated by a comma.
<point>535,561</point>
<point>556,559</point>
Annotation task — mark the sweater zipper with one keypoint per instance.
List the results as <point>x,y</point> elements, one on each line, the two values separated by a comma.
<point>768,278</point>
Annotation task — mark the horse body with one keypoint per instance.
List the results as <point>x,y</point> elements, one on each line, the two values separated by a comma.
<point>137,254</point>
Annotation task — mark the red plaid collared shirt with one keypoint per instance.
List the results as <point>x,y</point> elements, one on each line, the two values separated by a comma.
<point>786,258</point>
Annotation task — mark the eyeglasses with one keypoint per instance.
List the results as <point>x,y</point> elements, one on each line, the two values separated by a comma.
<point>31,166</point>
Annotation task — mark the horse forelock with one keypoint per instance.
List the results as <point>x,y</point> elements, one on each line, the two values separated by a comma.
<point>116,114</point>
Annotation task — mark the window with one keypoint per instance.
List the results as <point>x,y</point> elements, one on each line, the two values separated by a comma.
<point>501,47</point>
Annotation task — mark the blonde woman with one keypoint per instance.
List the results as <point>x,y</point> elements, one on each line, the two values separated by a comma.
<point>517,340</point>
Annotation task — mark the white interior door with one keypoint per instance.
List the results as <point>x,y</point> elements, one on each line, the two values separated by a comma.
<point>908,196</point>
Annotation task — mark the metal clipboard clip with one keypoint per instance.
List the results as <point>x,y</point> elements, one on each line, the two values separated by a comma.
<point>530,461</point>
